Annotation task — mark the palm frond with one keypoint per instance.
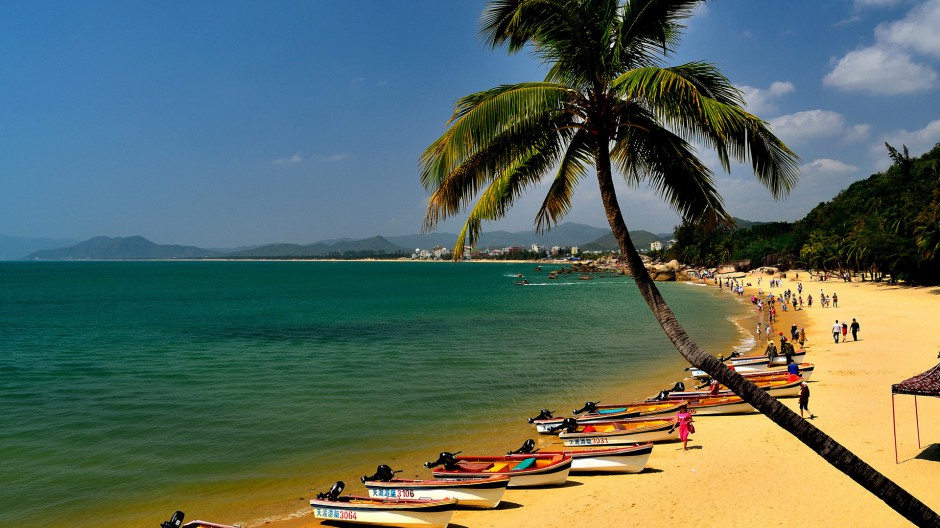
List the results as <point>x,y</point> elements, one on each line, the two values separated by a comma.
<point>571,170</point>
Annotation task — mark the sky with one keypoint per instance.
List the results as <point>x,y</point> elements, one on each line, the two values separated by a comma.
<point>226,124</point>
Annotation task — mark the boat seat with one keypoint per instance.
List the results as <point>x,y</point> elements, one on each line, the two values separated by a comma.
<point>497,467</point>
<point>525,464</point>
<point>588,429</point>
<point>609,411</point>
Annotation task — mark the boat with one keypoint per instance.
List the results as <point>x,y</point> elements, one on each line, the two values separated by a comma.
<point>177,522</point>
<point>752,363</point>
<point>552,275</point>
<point>620,432</point>
<point>585,277</point>
<point>483,492</point>
<point>784,385</point>
<point>382,511</point>
<point>524,470</point>
<point>593,412</point>
<point>523,282</point>
<point>618,459</point>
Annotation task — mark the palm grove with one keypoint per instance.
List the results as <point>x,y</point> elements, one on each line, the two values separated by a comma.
<point>609,102</point>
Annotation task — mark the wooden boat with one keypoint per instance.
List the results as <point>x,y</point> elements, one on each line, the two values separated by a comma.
<point>779,386</point>
<point>382,512</point>
<point>752,363</point>
<point>618,459</point>
<point>592,412</point>
<point>523,470</point>
<point>483,492</point>
<point>620,432</point>
<point>718,405</point>
<point>177,522</point>
<point>552,275</point>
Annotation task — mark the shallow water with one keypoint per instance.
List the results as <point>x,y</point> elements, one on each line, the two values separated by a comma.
<point>129,390</point>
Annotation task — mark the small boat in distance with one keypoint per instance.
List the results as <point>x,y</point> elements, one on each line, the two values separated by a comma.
<point>523,470</point>
<point>585,277</point>
<point>483,492</point>
<point>382,512</point>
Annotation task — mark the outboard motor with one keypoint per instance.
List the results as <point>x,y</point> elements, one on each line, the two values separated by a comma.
<point>383,473</point>
<point>334,492</point>
<point>678,387</point>
<point>544,414</point>
<point>174,521</point>
<point>446,459</point>
<point>567,425</point>
<point>528,447</point>
<point>589,407</point>
<point>663,394</point>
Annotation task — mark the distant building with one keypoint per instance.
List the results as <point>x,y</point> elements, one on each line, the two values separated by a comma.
<point>656,246</point>
<point>574,251</point>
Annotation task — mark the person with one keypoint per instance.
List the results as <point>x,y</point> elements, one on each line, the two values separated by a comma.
<point>758,331</point>
<point>836,330</point>
<point>835,300</point>
<point>809,301</point>
<point>845,330</point>
<point>714,387</point>
<point>767,331</point>
<point>794,332</point>
<point>802,336</point>
<point>793,369</point>
<point>804,400</point>
<point>786,348</point>
<point>771,352</point>
<point>685,425</point>
<point>855,328</point>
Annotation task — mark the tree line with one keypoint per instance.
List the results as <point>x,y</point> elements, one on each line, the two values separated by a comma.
<point>886,225</point>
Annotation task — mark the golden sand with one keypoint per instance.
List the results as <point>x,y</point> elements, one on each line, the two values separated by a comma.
<point>744,471</point>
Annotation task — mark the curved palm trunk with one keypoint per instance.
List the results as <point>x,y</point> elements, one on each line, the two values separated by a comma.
<point>833,452</point>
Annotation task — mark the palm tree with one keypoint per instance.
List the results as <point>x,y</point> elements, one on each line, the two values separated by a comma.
<point>608,101</point>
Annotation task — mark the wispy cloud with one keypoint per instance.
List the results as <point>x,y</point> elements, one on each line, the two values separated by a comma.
<point>760,101</point>
<point>917,141</point>
<point>292,160</point>
<point>802,128</point>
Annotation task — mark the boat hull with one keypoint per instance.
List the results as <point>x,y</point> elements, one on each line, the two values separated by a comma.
<point>612,412</point>
<point>552,471</point>
<point>751,364</point>
<point>622,432</point>
<point>389,512</point>
<point>629,459</point>
<point>472,493</point>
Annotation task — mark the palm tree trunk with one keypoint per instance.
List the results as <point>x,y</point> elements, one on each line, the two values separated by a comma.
<point>837,455</point>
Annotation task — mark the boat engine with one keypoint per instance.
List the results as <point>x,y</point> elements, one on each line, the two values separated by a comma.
<point>174,521</point>
<point>663,394</point>
<point>383,473</point>
<point>446,459</point>
<point>567,425</point>
<point>544,414</point>
<point>678,387</point>
<point>589,407</point>
<point>334,492</point>
<point>528,447</point>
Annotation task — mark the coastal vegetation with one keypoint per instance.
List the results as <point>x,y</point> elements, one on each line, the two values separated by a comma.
<point>887,224</point>
<point>608,102</point>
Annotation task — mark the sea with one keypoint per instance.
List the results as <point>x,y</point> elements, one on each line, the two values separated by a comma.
<point>234,391</point>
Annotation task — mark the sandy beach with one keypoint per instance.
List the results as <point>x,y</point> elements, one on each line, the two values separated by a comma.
<point>744,470</point>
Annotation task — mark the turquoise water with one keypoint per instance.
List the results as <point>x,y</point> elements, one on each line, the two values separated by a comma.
<point>129,390</point>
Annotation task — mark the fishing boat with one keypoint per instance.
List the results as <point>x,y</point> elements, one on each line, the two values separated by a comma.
<point>620,432</point>
<point>593,412</point>
<point>483,492</point>
<point>523,470</point>
<point>404,513</point>
<point>752,363</point>
<point>618,459</point>
<point>585,277</point>
<point>177,522</point>
<point>779,386</point>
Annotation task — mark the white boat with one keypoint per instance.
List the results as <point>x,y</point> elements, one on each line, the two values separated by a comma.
<point>752,364</point>
<point>618,459</point>
<point>779,386</point>
<point>593,413</point>
<point>483,492</point>
<point>404,513</point>
<point>524,471</point>
<point>621,432</point>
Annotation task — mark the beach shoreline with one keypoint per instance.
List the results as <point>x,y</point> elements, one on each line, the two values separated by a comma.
<point>734,457</point>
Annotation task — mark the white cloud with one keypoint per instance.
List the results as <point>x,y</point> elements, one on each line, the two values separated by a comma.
<point>760,101</point>
<point>827,167</point>
<point>803,127</point>
<point>876,3</point>
<point>293,160</point>
<point>856,133</point>
<point>916,31</point>
<point>917,141</point>
<point>332,157</point>
<point>881,71</point>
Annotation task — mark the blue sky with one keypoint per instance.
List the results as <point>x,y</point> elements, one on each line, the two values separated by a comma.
<point>222,124</point>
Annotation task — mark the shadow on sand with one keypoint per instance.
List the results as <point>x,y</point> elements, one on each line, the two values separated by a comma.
<point>931,453</point>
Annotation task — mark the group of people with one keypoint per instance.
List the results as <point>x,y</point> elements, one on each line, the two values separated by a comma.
<point>844,328</point>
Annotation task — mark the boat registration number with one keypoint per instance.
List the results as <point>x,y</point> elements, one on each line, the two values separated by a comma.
<point>392,493</point>
<point>588,441</point>
<point>329,513</point>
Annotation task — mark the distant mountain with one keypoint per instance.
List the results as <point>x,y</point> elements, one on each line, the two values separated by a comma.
<point>120,248</point>
<point>14,248</point>
<point>376,245</point>
<point>566,234</point>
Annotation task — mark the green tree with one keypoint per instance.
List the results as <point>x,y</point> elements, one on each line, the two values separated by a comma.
<point>608,101</point>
